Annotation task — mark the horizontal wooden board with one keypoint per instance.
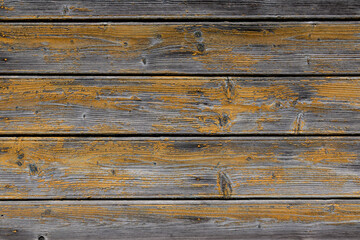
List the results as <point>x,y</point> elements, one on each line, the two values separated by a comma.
<point>180,9</point>
<point>293,219</point>
<point>179,105</point>
<point>53,168</point>
<point>181,48</point>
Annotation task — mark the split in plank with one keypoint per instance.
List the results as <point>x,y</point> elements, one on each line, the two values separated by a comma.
<point>181,48</point>
<point>54,168</point>
<point>180,219</point>
<point>178,9</point>
<point>113,105</point>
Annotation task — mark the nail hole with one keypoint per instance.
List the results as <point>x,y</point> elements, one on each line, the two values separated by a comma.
<point>201,47</point>
<point>197,34</point>
<point>33,169</point>
<point>41,238</point>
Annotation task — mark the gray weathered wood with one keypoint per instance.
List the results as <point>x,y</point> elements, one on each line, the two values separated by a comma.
<point>292,219</point>
<point>181,48</point>
<point>180,9</point>
<point>179,105</point>
<point>179,167</point>
<point>136,168</point>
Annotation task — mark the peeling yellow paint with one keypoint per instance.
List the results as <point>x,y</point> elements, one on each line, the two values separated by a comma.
<point>106,167</point>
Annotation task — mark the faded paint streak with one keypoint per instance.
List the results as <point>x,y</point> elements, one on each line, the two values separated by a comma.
<point>223,48</point>
<point>179,104</point>
<point>103,167</point>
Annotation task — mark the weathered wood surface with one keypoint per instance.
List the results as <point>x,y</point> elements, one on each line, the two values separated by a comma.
<point>181,48</point>
<point>179,105</point>
<point>53,168</point>
<point>180,9</point>
<point>293,219</point>
<point>155,187</point>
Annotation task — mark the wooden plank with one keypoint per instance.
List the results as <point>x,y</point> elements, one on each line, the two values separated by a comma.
<point>112,105</point>
<point>293,219</point>
<point>180,9</point>
<point>181,48</point>
<point>53,168</point>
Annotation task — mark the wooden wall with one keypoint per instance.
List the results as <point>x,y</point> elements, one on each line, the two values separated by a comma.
<point>179,119</point>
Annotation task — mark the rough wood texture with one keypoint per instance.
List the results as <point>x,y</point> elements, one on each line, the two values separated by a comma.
<point>181,48</point>
<point>135,9</point>
<point>180,220</point>
<point>179,105</point>
<point>179,167</point>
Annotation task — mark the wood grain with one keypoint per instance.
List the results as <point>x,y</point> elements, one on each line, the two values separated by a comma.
<point>179,167</point>
<point>181,48</point>
<point>179,9</point>
<point>112,105</point>
<point>180,220</point>
<point>91,74</point>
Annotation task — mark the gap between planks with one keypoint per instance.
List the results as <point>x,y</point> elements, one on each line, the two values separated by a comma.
<point>248,75</point>
<point>174,135</point>
<point>186,20</point>
<point>191,199</point>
